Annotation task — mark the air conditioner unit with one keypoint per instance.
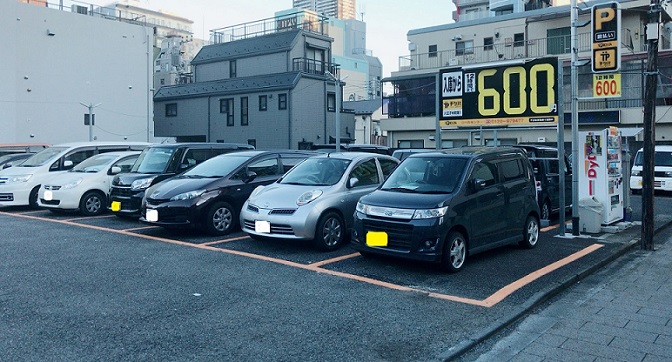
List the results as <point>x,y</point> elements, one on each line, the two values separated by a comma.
<point>80,9</point>
<point>453,61</point>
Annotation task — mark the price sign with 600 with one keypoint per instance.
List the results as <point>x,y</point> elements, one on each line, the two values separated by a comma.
<point>508,94</point>
<point>607,85</point>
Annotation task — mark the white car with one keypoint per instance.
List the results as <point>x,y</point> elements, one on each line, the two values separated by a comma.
<point>662,170</point>
<point>86,186</point>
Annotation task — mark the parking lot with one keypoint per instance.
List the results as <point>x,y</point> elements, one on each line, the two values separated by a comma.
<point>115,286</point>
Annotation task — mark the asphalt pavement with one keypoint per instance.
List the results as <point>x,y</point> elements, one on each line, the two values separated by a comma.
<point>620,311</point>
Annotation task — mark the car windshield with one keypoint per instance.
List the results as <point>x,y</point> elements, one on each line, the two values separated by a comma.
<point>660,159</point>
<point>94,164</point>
<point>153,160</point>
<point>427,175</point>
<point>219,166</point>
<point>314,171</point>
<point>43,157</point>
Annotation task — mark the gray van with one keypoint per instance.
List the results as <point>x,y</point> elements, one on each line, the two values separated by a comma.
<point>156,164</point>
<point>445,206</point>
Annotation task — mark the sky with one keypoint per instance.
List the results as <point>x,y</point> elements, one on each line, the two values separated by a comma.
<point>387,21</point>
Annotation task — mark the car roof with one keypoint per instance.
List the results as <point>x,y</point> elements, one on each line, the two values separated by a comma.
<point>119,153</point>
<point>353,155</point>
<point>219,145</point>
<point>666,148</point>
<point>470,151</point>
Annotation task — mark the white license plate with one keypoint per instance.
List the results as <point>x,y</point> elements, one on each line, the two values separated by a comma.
<point>48,195</point>
<point>152,215</point>
<point>262,226</point>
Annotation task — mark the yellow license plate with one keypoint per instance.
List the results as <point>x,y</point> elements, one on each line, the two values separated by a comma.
<point>376,238</point>
<point>116,206</point>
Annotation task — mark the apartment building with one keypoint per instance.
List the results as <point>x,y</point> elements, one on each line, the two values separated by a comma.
<point>340,9</point>
<point>517,37</point>
<point>269,83</point>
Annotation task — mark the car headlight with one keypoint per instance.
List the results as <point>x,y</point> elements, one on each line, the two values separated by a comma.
<point>636,173</point>
<point>363,208</point>
<point>187,195</point>
<point>256,191</point>
<point>668,173</point>
<point>308,196</point>
<point>139,185</point>
<point>430,213</point>
<point>72,184</point>
<point>19,178</point>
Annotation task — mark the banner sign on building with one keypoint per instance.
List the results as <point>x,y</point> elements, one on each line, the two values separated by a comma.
<point>500,94</point>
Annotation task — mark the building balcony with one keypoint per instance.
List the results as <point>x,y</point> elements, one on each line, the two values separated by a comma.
<point>533,48</point>
<point>312,66</point>
<point>469,3</point>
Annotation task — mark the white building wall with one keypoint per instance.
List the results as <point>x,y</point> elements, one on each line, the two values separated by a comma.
<point>87,59</point>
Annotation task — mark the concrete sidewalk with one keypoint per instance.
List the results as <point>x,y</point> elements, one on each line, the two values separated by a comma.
<point>623,312</point>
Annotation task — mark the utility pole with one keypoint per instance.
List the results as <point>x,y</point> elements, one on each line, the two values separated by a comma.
<point>652,35</point>
<point>575,115</point>
<point>90,106</point>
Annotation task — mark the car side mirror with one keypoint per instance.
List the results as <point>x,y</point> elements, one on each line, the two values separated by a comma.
<point>67,164</point>
<point>251,175</point>
<point>114,170</point>
<point>479,184</point>
<point>352,182</point>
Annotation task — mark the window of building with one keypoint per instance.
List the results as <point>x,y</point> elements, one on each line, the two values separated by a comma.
<point>518,40</point>
<point>464,47</point>
<point>232,69</point>
<point>252,142</point>
<point>282,101</point>
<point>331,102</point>
<point>163,81</point>
<point>558,41</point>
<point>411,144</point>
<point>171,110</point>
<point>263,103</point>
<point>432,51</point>
<point>244,111</point>
<point>226,107</point>
<point>488,43</point>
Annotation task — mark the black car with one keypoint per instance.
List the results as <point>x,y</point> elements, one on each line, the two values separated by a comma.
<point>445,206</point>
<point>209,196</point>
<point>546,168</point>
<point>157,163</point>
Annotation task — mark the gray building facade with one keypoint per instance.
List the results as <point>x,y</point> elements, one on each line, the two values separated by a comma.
<point>272,89</point>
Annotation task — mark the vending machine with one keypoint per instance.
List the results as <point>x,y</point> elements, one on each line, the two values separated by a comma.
<point>601,173</point>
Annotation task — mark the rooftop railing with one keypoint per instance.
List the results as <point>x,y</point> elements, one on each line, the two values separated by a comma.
<point>92,10</point>
<point>312,23</point>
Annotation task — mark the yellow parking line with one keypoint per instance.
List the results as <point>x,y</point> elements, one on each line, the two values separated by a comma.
<point>492,300</point>
<point>334,260</point>
<point>89,217</point>
<point>224,241</point>
<point>142,228</point>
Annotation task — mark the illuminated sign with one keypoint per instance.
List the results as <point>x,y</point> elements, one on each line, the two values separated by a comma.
<point>500,94</point>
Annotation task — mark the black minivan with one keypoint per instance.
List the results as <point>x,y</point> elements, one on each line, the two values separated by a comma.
<point>157,163</point>
<point>447,205</point>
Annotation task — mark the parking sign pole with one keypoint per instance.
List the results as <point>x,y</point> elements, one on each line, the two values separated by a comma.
<point>575,118</point>
<point>561,148</point>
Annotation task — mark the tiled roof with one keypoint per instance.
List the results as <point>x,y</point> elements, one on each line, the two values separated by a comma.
<point>268,82</point>
<point>270,43</point>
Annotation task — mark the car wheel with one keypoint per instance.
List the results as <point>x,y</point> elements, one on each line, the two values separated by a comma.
<point>330,232</point>
<point>530,233</point>
<point>546,210</point>
<point>221,219</point>
<point>32,198</point>
<point>454,252</point>
<point>92,203</point>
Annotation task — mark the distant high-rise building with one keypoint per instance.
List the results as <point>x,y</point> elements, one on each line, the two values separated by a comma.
<point>341,9</point>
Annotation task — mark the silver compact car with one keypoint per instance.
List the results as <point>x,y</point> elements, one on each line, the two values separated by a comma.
<point>316,199</point>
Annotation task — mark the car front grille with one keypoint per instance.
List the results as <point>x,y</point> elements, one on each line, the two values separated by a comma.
<point>282,212</point>
<point>156,202</point>
<point>50,202</point>
<point>280,229</point>
<point>51,187</point>
<point>121,191</point>
<point>399,235</point>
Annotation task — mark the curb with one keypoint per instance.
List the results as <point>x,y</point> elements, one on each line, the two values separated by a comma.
<point>539,298</point>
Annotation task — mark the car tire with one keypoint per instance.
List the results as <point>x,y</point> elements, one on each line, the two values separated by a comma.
<point>454,252</point>
<point>221,219</point>
<point>530,233</point>
<point>32,198</point>
<point>545,210</point>
<point>92,203</point>
<point>330,232</point>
